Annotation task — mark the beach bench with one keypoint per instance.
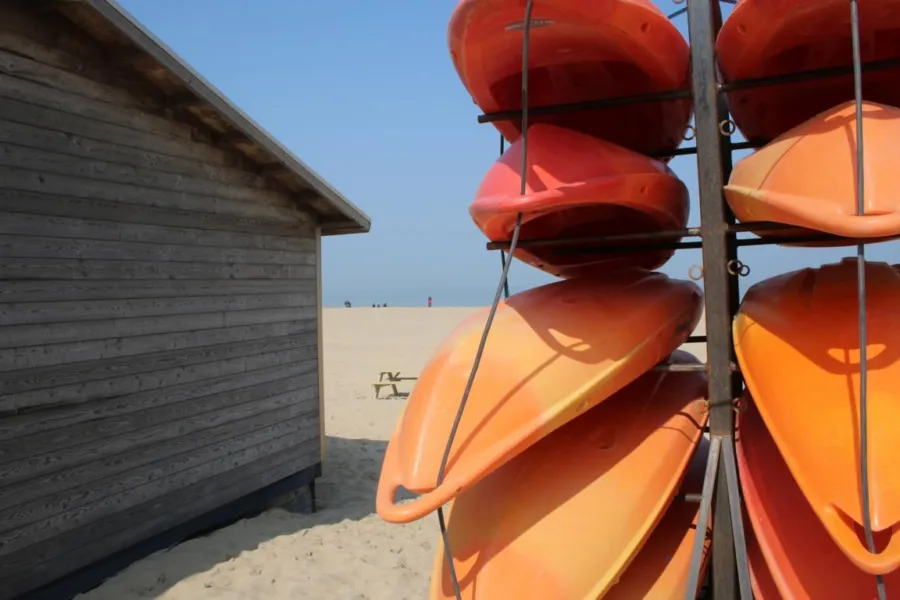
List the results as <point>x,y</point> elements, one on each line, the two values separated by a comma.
<point>390,379</point>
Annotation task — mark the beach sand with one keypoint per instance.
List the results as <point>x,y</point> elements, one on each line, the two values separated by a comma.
<point>344,551</point>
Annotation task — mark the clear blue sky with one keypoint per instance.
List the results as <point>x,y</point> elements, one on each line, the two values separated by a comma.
<point>365,93</point>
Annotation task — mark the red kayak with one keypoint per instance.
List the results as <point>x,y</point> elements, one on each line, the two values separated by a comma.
<point>578,51</point>
<point>579,186</point>
<point>790,550</point>
<point>764,38</point>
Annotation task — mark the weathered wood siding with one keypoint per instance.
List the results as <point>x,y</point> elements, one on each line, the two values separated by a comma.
<point>158,351</point>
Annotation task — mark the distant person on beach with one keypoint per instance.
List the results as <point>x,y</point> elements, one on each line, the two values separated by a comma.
<point>346,304</point>
<point>429,301</point>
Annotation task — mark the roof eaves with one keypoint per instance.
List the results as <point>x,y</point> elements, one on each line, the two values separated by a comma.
<point>356,221</point>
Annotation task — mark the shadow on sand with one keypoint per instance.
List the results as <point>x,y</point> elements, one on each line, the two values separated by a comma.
<point>346,491</point>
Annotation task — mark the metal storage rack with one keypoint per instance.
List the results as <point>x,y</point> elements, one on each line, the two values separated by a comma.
<point>718,239</point>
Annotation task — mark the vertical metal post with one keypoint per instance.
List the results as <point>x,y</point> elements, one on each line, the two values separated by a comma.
<point>502,253</point>
<point>717,284</point>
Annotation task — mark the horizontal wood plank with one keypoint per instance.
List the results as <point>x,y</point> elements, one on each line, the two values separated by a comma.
<point>55,268</point>
<point>89,500</point>
<point>33,313</point>
<point>30,158</point>
<point>29,113</point>
<point>159,366</point>
<point>49,97</point>
<point>40,137</point>
<point>46,334</point>
<point>111,211</point>
<point>25,224</point>
<point>67,406</point>
<point>30,70</point>
<point>49,182</point>
<point>101,457</point>
<point>30,246</point>
<point>141,416</point>
<point>51,559</point>
<point>12,359</point>
<point>48,290</point>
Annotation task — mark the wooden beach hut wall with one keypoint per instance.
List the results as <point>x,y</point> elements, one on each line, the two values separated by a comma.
<point>160,300</point>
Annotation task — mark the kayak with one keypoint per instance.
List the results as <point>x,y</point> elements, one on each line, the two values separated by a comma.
<point>764,38</point>
<point>796,338</point>
<point>553,352</point>
<point>579,186</point>
<point>563,519</point>
<point>661,569</point>
<point>761,581</point>
<point>807,177</point>
<point>578,51</point>
<point>790,553</point>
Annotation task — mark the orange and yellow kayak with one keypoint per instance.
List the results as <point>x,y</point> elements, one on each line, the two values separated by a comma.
<point>808,176</point>
<point>579,186</point>
<point>564,519</point>
<point>661,569</point>
<point>578,51</point>
<point>764,38</point>
<point>791,554</point>
<point>553,352</point>
<point>797,341</point>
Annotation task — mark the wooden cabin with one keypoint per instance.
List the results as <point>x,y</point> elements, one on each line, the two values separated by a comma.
<point>160,300</point>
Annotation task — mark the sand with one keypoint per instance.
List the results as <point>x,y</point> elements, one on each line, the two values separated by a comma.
<point>344,551</point>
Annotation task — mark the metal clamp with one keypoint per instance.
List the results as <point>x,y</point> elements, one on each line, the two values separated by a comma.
<point>695,272</point>
<point>727,127</point>
<point>736,267</point>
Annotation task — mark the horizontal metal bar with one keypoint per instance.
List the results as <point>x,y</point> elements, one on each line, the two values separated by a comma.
<point>690,368</point>
<point>689,497</point>
<point>536,111</point>
<point>673,95</point>
<point>694,339</point>
<point>680,368</point>
<point>621,240</point>
<point>618,238</point>
<point>812,75</point>
<point>813,236</point>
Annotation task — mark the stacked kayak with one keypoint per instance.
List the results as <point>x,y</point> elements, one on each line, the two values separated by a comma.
<point>767,38</point>
<point>561,473</point>
<point>797,335</point>
<point>797,342</point>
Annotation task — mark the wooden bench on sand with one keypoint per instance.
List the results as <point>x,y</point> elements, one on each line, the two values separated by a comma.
<point>390,379</point>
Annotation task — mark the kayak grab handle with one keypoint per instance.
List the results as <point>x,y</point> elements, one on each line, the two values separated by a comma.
<point>408,511</point>
<point>847,535</point>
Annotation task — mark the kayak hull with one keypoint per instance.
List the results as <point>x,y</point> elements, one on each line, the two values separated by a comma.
<point>553,352</point>
<point>807,177</point>
<point>796,338</point>
<point>578,51</point>
<point>578,187</point>
<point>627,455</point>
<point>765,38</point>
<point>791,555</point>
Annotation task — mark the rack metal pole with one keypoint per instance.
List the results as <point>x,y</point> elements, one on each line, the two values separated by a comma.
<point>720,295</point>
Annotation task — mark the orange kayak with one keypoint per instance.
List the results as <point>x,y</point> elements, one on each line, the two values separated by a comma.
<point>761,581</point>
<point>797,342</point>
<point>578,51</point>
<point>552,353</point>
<point>579,186</point>
<point>661,569</point>
<point>807,177</point>
<point>791,554</point>
<point>764,38</point>
<point>563,519</point>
